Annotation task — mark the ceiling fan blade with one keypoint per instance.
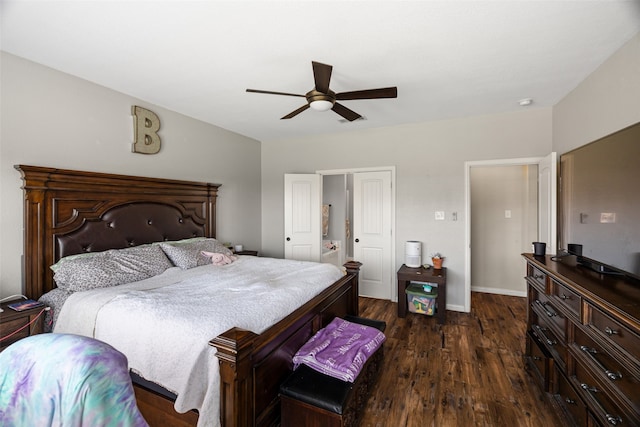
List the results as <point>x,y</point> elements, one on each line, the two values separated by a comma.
<point>322,76</point>
<point>268,92</point>
<point>345,112</point>
<point>385,92</point>
<point>296,112</point>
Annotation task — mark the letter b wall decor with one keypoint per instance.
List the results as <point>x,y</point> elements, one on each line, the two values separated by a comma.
<point>145,131</point>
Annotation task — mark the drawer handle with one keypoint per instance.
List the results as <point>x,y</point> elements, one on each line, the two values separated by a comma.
<point>589,388</point>
<point>610,374</point>
<point>538,276</point>
<point>537,358</point>
<point>550,313</point>
<point>564,297</point>
<point>614,420</point>
<point>541,331</point>
<point>610,331</point>
<point>613,375</point>
<point>570,401</point>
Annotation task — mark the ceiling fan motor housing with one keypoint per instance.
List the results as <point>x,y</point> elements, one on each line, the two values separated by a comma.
<point>321,101</point>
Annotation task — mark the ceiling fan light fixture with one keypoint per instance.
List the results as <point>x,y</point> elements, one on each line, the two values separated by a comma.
<point>321,98</point>
<point>321,105</point>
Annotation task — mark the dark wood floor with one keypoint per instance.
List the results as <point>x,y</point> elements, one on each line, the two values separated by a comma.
<point>467,372</point>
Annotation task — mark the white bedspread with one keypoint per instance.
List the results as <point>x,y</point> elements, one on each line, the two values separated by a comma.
<point>175,314</point>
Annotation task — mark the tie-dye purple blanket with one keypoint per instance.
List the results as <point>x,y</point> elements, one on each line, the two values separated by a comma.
<point>66,380</point>
<point>340,349</point>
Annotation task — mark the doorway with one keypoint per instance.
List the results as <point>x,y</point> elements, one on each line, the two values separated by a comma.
<point>504,222</point>
<point>497,245</point>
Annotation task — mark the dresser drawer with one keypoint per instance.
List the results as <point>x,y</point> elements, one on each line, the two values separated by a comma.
<point>545,308</point>
<point>537,278</point>
<point>605,405</point>
<point>539,361</point>
<point>608,369</point>
<point>614,332</point>
<point>565,297</point>
<point>547,336</point>
<point>569,399</point>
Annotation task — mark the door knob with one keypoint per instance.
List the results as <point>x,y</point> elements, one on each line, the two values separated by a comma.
<point>288,239</point>
<point>357,240</point>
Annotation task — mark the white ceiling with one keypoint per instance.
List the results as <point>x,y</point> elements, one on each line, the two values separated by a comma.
<point>448,58</point>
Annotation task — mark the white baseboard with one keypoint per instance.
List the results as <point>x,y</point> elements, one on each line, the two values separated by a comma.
<point>459,308</point>
<point>499,291</point>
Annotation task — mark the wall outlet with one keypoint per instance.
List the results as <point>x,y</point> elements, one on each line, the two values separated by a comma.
<point>439,215</point>
<point>607,217</point>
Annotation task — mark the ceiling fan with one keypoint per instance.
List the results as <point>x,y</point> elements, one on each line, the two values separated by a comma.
<point>322,98</point>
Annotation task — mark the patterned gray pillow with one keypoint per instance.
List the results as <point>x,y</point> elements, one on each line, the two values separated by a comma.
<point>111,268</point>
<point>54,299</point>
<point>189,254</point>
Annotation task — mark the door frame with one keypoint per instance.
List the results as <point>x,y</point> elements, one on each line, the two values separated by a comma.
<point>392,169</point>
<point>526,161</point>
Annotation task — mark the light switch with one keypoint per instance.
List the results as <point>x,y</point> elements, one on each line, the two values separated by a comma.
<point>439,215</point>
<point>507,213</point>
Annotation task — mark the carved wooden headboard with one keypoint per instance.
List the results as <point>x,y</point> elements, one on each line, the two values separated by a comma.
<point>68,212</point>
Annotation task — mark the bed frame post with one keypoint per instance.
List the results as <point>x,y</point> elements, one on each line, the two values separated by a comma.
<point>353,267</point>
<point>35,217</point>
<point>236,377</point>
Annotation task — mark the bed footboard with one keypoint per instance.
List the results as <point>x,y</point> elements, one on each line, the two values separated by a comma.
<point>253,366</point>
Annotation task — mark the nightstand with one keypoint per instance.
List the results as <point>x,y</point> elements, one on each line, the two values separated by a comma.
<point>407,275</point>
<point>11,321</point>
<point>245,252</point>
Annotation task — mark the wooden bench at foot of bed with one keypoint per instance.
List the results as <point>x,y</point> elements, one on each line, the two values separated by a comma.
<point>312,399</point>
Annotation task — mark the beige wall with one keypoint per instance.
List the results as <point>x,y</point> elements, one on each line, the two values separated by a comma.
<point>429,160</point>
<point>53,119</point>
<point>606,101</point>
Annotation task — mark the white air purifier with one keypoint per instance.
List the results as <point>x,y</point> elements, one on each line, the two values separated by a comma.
<point>413,254</point>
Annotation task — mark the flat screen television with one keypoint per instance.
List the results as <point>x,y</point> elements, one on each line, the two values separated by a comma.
<point>599,199</point>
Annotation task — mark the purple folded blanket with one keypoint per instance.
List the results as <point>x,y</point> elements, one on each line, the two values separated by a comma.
<point>340,349</point>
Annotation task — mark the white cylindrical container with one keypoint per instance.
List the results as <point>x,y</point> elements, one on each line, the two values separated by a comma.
<point>413,254</point>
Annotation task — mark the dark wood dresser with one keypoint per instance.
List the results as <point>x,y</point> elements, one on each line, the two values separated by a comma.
<point>583,341</point>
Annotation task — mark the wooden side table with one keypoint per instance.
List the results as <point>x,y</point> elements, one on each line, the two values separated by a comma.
<point>247,252</point>
<point>11,321</point>
<point>421,274</point>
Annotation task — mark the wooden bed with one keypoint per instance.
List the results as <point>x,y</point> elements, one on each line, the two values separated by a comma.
<point>68,212</point>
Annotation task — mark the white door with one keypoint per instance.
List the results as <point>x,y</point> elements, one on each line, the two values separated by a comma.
<point>547,194</point>
<point>302,216</point>
<point>372,232</point>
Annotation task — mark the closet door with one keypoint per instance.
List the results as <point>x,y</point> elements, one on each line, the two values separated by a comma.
<point>372,232</point>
